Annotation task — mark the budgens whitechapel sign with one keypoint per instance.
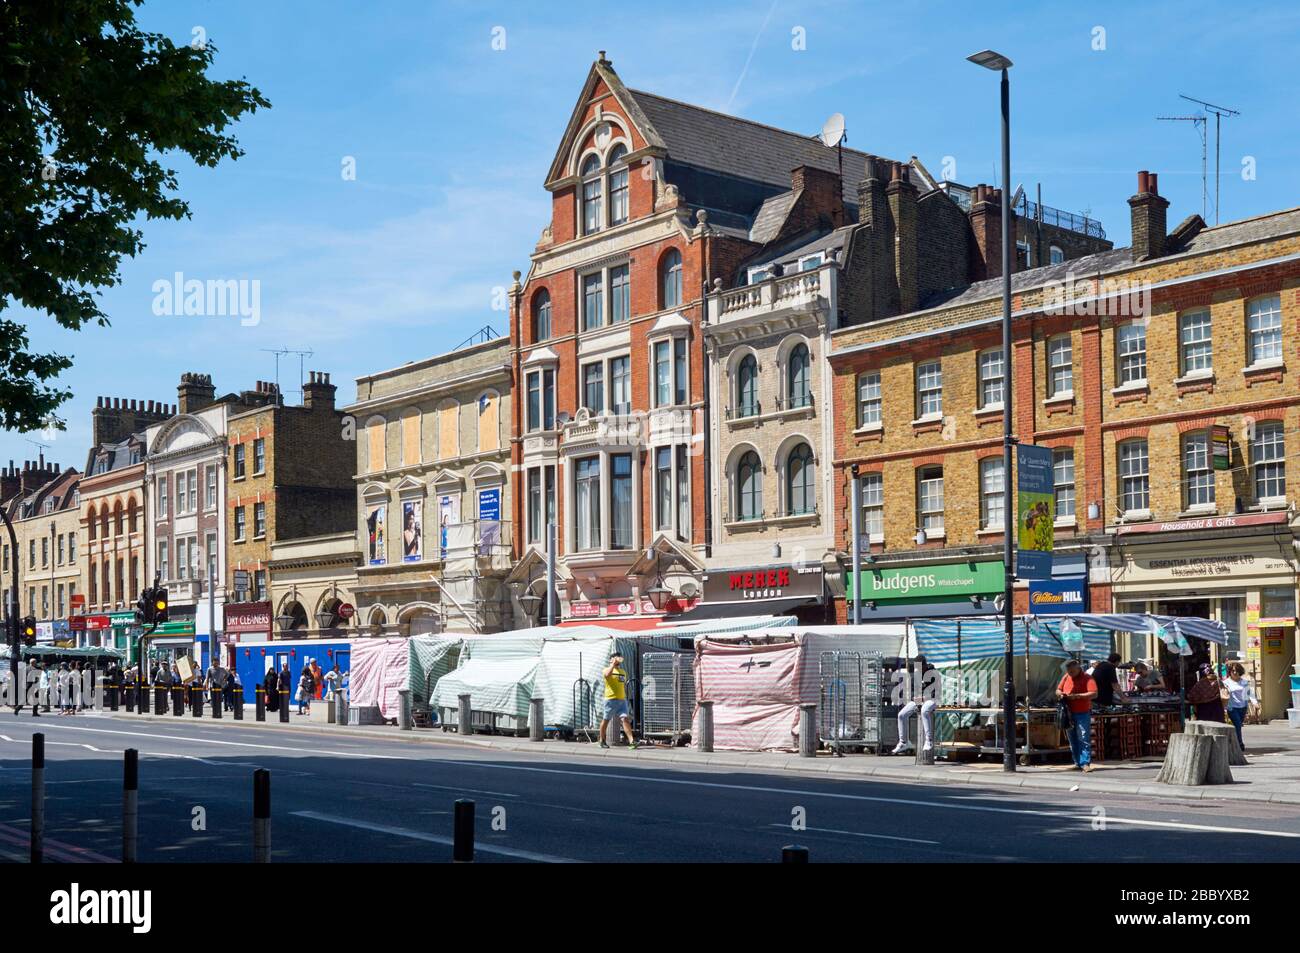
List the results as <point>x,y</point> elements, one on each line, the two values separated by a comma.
<point>948,581</point>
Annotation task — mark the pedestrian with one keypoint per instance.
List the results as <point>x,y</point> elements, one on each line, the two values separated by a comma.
<point>306,688</point>
<point>920,688</point>
<point>616,701</point>
<point>333,679</point>
<point>1205,695</point>
<point>64,690</point>
<point>271,687</point>
<point>1241,695</point>
<point>1106,675</point>
<point>228,693</point>
<point>285,684</point>
<point>318,683</point>
<point>1078,690</point>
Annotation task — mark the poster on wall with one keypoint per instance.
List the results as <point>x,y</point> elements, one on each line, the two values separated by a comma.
<point>412,530</point>
<point>375,546</point>
<point>448,513</point>
<point>1035,516</point>
<point>489,517</point>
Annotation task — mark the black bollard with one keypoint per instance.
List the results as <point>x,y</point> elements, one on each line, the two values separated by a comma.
<point>259,700</point>
<point>130,697</point>
<point>261,816</point>
<point>216,703</point>
<point>462,848</point>
<point>160,700</point>
<point>112,698</point>
<point>239,702</point>
<point>284,706</point>
<point>38,797</point>
<point>178,701</point>
<point>794,854</point>
<point>130,804</point>
<point>196,698</point>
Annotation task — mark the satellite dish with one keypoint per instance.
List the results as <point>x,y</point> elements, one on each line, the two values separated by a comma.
<point>833,130</point>
<point>1020,194</point>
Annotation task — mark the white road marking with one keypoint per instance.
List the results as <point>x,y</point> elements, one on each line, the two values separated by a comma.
<point>434,838</point>
<point>448,787</point>
<point>828,830</point>
<point>237,744</point>
<point>1083,818</point>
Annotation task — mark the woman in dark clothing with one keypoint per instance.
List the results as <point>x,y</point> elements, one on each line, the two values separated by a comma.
<point>271,684</point>
<point>1205,696</point>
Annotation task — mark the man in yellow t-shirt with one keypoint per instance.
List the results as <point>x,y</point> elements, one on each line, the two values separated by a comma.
<point>616,700</point>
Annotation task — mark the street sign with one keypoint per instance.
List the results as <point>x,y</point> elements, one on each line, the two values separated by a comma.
<point>78,600</point>
<point>347,610</point>
<point>241,580</point>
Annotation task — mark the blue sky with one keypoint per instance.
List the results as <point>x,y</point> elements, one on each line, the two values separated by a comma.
<point>452,138</point>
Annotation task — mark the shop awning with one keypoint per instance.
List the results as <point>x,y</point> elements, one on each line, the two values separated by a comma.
<point>892,612</point>
<point>727,610</point>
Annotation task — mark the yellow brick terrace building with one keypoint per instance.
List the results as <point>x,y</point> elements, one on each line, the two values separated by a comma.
<point>1164,378</point>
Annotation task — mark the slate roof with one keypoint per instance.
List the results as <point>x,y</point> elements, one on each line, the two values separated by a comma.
<point>712,140</point>
<point>118,454</point>
<point>1272,225</point>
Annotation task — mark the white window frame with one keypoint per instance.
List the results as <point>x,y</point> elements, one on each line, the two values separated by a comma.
<point>1055,255</point>
<point>1197,459</point>
<point>539,374</point>
<point>870,401</point>
<point>1264,344</point>
<point>605,297</point>
<point>1134,483</point>
<point>1063,490</point>
<point>679,370</point>
<point>1196,343</point>
<point>161,497</point>
<point>1060,364</point>
<point>992,498</point>
<point>992,378</point>
<point>1268,461</point>
<point>929,510</point>
<point>1130,361</point>
<point>259,515</point>
<point>929,388</point>
<point>872,497</point>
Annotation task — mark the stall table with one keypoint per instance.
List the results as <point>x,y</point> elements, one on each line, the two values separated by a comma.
<point>1041,735</point>
<point>1126,732</point>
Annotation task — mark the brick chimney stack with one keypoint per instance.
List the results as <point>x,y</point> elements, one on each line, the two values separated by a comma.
<point>901,196</point>
<point>874,214</point>
<point>194,392</point>
<point>823,193</point>
<point>115,418</point>
<point>986,229</point>
<point>318,392</point>
<point>1148,211</point>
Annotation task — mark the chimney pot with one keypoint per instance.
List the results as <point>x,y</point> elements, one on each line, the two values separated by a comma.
<point>1155,183</point>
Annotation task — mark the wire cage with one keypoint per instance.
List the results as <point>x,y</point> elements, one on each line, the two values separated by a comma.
<point>852,696</point>
<point>667,695</point>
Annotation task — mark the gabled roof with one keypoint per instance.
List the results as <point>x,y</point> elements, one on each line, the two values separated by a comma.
<point>711,140</point>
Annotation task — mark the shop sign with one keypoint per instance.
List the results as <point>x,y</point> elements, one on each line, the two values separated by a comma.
<point>584,610</point>
<point>1233,521</point>
<point>1221,444</point>
<point>1035,516</point>
<point>1053,596</point>
<point>763,582</point>
<point>248,617</point>
<point>77,600</point>
<point>935,582</point>
<point>89,623</point>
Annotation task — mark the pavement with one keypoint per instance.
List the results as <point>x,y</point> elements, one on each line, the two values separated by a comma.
<point>1272,775</point>
<point>342,794</point>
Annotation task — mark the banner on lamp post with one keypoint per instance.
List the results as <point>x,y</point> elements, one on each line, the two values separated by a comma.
<point>1035,511</point>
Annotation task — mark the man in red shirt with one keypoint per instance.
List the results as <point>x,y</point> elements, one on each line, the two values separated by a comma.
<point>1077,690</point>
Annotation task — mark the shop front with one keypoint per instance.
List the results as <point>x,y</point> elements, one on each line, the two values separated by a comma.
<point>933,590</point>
<point>1239,570</point>
<point>775,589</point>
<point>173,640</point>
<point>244,622</point>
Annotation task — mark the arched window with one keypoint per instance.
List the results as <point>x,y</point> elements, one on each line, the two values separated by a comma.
<point>376,451</point>
<point>749,487</point>
<point>618,194</point>
<point>800,482</point>
<point>117,518</point>
<point>747,387</point>
<point>541,315</point>
<point>90,530</point>
<point>670,279</point>
<point>591,189</point>
<point>133,515</point>
<point>798,371</point>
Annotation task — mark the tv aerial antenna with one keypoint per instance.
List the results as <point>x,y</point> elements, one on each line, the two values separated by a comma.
<point>1202,125</point>
<point>280,352</point>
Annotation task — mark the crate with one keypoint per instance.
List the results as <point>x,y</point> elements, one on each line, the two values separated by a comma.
<point>1045,736</point>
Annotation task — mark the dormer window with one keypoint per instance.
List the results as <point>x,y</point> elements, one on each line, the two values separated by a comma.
<point>591,195</point>
<point>604,190</point>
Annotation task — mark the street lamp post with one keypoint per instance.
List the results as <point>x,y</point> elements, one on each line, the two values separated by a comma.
<point>11,629</point>
<point>1000,64</point>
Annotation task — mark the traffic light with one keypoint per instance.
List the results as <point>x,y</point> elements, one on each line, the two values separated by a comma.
<point>27,630</point>
<point>159,605</point>
<point>144,608</point>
